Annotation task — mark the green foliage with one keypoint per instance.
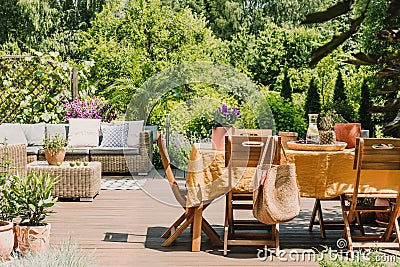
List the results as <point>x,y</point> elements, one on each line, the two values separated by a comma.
<point>35,87</point>
<point>33,197</point>
<point>132,41</point>
<point>54,144</point>
<point>263,57</point>
<point>366,104</point>
<point>340,101</point>
<point>45,25</point>
<point>286,91</point>
<point>287,115</point>
<point>312,105</point>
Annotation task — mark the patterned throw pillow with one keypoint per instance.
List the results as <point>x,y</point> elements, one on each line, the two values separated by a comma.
<point>114,135</point>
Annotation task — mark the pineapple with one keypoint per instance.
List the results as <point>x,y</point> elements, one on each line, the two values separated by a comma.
<point>327,135</point>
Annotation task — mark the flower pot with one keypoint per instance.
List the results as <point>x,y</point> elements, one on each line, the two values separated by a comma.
<point>382,217</point>
<point>218,137</point>
<point>348,132</point>
<point>6,240</point>
<point>33,238</point>
<point>57,157</point>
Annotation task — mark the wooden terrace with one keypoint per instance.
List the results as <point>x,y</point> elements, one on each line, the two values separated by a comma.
<point>123,228</point>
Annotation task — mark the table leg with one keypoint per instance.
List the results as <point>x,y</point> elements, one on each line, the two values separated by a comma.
<point>197,222</point>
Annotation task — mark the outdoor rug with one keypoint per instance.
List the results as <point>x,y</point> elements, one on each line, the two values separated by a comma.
<point>122,184</point>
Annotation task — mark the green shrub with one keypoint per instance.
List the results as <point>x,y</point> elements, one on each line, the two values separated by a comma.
<point>288,116</point>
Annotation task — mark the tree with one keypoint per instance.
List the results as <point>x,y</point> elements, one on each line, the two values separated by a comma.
<point>365,106</point>
<point>286,91</point>
<point>340,101</point>
<point>312,105</point>
<point>374,16</point>
<point>45,25</point>
<point>132,41</point>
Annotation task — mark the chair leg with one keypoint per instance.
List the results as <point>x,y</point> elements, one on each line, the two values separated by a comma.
<point>314,212</point>
<point>210,232</point>
<point>226,233</point>
<point>174,226</point>
<point>321,221</point>
<point>179,231</point>
<point>360,223</point>
<point>347,229</point>
<point>230,213</point>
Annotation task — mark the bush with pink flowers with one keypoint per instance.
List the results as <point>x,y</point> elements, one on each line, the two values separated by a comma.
<point>91,108</point>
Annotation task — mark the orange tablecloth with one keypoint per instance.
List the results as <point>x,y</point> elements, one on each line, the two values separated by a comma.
<point>320,175</point>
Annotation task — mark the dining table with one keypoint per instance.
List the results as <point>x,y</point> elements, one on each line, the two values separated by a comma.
<point>320,175</point>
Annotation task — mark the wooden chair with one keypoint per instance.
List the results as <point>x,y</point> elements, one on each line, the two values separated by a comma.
<point>187,217</point>
<point>371,155</point>
<point>245,151</point>
<point>253,132</point>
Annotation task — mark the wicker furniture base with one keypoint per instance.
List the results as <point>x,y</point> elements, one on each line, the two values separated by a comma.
<point>17,156</point>
<point>31,158</point>
<point>123,164</point>
<point>83,182</point>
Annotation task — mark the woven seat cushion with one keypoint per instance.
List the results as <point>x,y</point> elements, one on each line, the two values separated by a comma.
<point>114,151</point>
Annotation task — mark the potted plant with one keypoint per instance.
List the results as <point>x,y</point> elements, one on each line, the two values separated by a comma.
<point>34,201</point>
<point>8,210</point>
<point>224,118</point>
<point>54,149</point>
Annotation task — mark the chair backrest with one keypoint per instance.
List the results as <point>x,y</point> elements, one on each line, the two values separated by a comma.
<point>377,154</point>
<point>245,151</point>
<point>168,171</point>
<point>253,132</point>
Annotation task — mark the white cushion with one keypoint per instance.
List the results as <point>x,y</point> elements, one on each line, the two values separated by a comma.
<point>34,133</point>
<point>114,135</point>
<point>53,129</point>
<point>135,127</point>
<point>83,132</point>
<point>13,132</point>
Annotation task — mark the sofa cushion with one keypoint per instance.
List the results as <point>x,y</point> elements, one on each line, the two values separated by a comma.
<point>33,150</point>
<point>34,133</point>
<point>83,132</point>
<point>13,132</point>
<point>114,151</point>
<point>135,127</point>
<point>153,129</point>
<point>114,135</point>
<point>60,129</point>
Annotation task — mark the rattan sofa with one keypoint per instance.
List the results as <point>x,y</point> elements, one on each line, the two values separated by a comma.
<point>135,160</point>
<point>16,156</point>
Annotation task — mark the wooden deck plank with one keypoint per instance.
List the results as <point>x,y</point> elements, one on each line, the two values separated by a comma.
<point>123,228</point>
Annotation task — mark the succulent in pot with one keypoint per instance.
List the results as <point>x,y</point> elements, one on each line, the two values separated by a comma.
<point>34,202</point>
<point>54,149</point>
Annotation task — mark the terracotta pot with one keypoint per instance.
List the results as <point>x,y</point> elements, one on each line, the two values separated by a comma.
<point>6,240</point>
<point>218,136</point>
<point>348,132</point>
<point>33,238</point>
<point>58,157</point>
<point>382,216</point>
